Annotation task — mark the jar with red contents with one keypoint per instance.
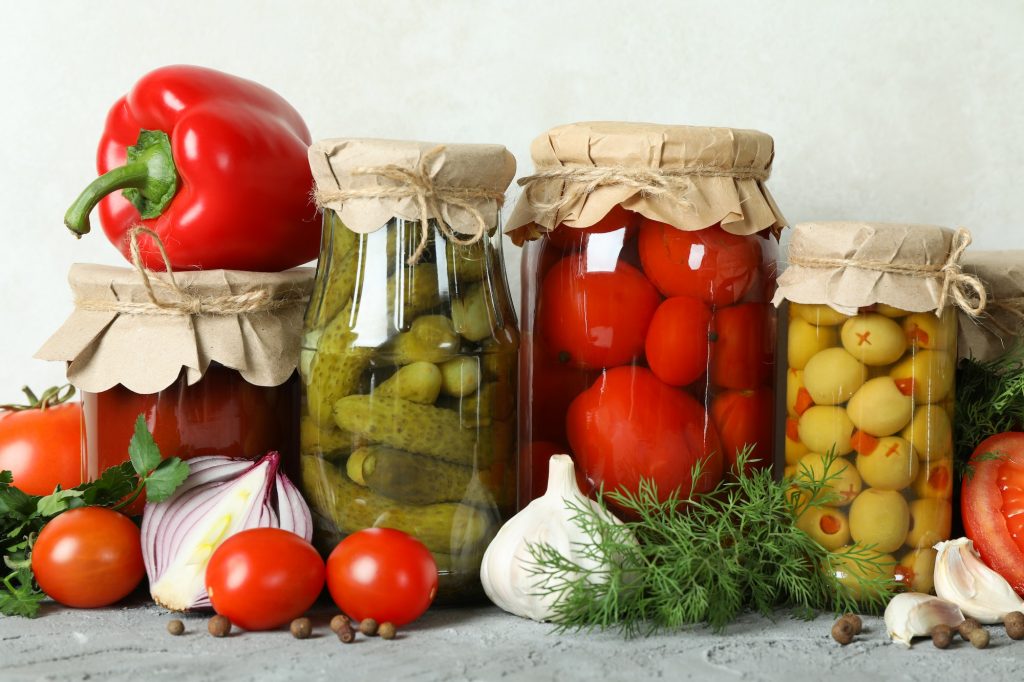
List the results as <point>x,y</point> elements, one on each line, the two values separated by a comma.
<point>209,360</point>
<point>648,339</point>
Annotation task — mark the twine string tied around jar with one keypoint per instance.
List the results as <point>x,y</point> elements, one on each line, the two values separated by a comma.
<point>966,291</point>
<point>176,300</point>
<point>672,183</point>
<point>418,183</point>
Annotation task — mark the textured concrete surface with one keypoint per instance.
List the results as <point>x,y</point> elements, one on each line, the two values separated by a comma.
<point>472,644</point>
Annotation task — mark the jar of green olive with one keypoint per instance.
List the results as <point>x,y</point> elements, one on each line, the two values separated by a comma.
<point>870,332</point>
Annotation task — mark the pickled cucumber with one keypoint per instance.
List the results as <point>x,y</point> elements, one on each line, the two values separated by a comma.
<point>469,314</point>
<point>329,440</point>
<point>444,527</point>
<point>419,382</point>
<point>492,401</point>
<point>418,288</point>
<point>333,376</point>
<point>335,291</point>
<point>413,427</point>
<point>431,338</point>
<point>467,264</point>
<point>405,477</point>
<point>460,376</point>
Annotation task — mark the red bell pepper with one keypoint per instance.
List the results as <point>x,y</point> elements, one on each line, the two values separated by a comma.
<point>214,164</point>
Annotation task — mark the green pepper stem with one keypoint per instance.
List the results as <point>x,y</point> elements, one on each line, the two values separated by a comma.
<point>130,175</point>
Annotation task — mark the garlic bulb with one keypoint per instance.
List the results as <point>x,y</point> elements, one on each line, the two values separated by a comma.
<point>508,572</point>
<point>963,578</point>
<point>913,614</point>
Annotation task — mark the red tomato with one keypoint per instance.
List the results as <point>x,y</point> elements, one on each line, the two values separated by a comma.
<point>384,574</point>
<point>598,317</point>
<point>710,264</point>
<point>678,340</point>
<point>88,557</point>
<point>992,505</point>
<point>741,356</point>
<point>629,426</point>
<point>548,387</point>
<point>263,578</point>
<point>578,238</point>
<point>42,448</point>
<point>745,418</point>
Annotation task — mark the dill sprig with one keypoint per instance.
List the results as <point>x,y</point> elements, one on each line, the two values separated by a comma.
<point>989,400</point>
<point>706,559</point>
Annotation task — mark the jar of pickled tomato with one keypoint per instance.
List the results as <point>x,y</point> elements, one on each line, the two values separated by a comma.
<point>648,338</point>
<point>870,335</point>
<point>410,352</point>
<point>209,362</point>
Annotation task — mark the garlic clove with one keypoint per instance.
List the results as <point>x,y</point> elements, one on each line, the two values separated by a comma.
<point>912,614</point>
<point>964,579</point>
<point>508,571</point>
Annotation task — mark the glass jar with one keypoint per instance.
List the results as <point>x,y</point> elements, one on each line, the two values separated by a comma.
<point>870,361</point>
<point>222,414</point>
<point>409,403</point>
<point>645,349</point>
<point>872,395</point>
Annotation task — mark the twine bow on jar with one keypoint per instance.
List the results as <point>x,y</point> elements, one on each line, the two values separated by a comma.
<point>966,291</point>
<point>175,300</point>
<point>431,198</point>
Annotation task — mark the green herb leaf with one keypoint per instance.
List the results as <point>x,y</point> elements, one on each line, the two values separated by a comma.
<point>142,449</point>
<point>6,478</point>
<point>19,595</point>
<point>165,479</point>
<point>989,400</point>
<point>57,502</point>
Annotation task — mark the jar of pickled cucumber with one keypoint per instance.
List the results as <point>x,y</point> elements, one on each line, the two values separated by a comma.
<point>870,335</point>
<point>409,359</point>
<point>648,336</point>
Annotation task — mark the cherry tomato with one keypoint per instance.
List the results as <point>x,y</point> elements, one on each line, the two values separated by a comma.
<point>630,426</point>
<point>263,578</point>
<point>88,557</point>
<point>710,264</point>
<point>595,314</point>
<point>384,574</point>
<point>992,505</point>
<point>744,418</point>
<point>578,238</point>
<point>678,340</point>
<point>741,355</point>
<point>42,448</point>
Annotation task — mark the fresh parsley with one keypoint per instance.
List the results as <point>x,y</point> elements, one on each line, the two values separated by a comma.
<point>22,516</point>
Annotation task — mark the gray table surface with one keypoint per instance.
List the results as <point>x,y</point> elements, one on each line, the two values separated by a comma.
<point>131,643</point>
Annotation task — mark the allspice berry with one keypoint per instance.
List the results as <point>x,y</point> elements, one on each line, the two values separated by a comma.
<point>175,627</point>
<point>855,622</point>
<point>842,631</point>
<point>338,620</point>
<point>979,638</point>
<point>345,633</point>
<point>967,627</point>
<point>1014,623</point>
<point>302,628</point>
<point>942,636</point>
<point>219,626</point>
<point>368,627</point>
<point>387,631</point>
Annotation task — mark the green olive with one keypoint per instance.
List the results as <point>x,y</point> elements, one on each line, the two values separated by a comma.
<point>930,373</point>
<point>826,428</point>
<point>805,340</point>
<point>828,527</point>
<point>930,432</point>
<point>873,339</point>
<point>831,376</point>
<point>818,314</point>
<point>880,408</point>
<point>935,479</point>
<point>928,332</point>
<point>880,519</point>
<point>794,382</point>
<point>854,564</point>
<point>843,482</point>
<point>888,463</point>
<point>916,570</point>
<point>930,522</point>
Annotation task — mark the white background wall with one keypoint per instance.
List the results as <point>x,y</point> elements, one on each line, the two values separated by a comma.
<point>908,110</point>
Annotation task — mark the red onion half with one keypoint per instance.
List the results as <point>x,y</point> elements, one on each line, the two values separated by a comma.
<point>220,497</point>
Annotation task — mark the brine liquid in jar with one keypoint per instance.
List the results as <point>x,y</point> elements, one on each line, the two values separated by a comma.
<point>875,390</point>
